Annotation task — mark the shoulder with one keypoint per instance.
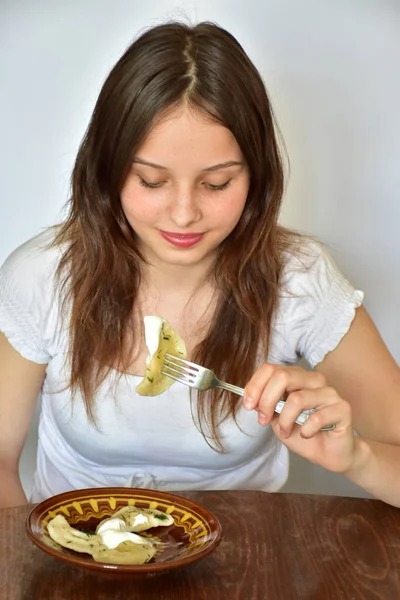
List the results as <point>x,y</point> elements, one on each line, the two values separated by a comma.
<point>304,264</point>
<point>29,302</point>
<point>316,303</point>
<point>34,263</point>
<point>310,275</point>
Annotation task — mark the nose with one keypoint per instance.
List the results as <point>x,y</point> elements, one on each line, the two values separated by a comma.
<point>184,210</point>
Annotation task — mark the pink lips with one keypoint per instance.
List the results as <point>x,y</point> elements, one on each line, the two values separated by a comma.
<point>182,240</point>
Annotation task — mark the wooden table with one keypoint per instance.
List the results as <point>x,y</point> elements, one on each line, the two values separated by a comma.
<point>275,546</point>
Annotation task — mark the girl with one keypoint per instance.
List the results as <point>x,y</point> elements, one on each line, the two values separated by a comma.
<point>176,192</point>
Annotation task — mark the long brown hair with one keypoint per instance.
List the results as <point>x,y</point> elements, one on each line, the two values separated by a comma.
<point>101,266</point>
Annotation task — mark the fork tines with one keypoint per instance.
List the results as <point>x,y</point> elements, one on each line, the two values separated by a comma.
<point>179,369</point>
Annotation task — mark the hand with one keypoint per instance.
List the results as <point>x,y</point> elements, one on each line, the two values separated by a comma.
<point>334,450</point>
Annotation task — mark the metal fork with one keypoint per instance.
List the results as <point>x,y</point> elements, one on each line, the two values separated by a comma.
<point>200,378</point>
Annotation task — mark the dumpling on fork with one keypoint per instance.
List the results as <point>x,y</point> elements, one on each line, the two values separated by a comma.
<point>160,339</point>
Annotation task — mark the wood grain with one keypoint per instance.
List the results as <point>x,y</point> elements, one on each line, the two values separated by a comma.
<point>275,546</point>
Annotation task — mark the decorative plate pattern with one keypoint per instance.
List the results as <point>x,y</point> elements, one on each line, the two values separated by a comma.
<point>195,533</point>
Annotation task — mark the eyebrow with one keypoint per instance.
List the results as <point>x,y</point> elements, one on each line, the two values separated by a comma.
<point>225,165</point>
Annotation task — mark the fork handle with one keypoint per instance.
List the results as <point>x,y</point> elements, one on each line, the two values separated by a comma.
<point>231,388</point>
<point>301,419</point>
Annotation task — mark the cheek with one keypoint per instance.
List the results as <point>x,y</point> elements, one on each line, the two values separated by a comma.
<point>228,212</point>
<point>136,207</point>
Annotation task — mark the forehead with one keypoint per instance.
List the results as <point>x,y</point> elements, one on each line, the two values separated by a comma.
<point>186,132</point>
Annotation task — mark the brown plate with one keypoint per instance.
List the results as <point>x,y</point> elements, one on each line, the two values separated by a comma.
<point>195,533</point>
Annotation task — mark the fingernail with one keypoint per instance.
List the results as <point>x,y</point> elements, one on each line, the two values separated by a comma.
<point>249,403</point>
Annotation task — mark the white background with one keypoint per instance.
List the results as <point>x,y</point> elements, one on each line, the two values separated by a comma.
<point>332,71</point>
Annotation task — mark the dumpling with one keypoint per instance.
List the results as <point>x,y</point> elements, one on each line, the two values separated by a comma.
<point>160,339</point>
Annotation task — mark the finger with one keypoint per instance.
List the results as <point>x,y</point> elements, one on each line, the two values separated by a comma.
<point>338,413</point>
<point>301,400</point>
<point>256,385</point>
<point>271,382</point>
<point>283,379</point>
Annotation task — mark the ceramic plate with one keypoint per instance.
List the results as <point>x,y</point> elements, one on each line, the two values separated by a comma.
<point>195,533</point>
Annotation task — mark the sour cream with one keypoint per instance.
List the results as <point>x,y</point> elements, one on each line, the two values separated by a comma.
<point>115,524</point>
<point>113,532</point>
<point>152,332</point>
<point>139,520</point>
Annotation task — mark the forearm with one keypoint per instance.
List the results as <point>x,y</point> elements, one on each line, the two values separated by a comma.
<point>377,470</point>
<point>11,491</point>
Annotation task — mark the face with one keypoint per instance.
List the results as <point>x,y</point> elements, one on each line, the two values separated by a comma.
<point>186,189</point>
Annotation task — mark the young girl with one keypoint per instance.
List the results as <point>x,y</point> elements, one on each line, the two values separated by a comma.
<point>175,200</point>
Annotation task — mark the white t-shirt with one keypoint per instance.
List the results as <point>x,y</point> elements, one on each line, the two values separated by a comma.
<point>153,442</point>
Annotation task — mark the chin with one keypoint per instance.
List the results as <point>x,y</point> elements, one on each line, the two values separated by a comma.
<point>184,258</point>
<point>182,261</point>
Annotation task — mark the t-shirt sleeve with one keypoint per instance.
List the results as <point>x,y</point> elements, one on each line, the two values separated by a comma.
<point>26,301</point>
<point>318,304</point>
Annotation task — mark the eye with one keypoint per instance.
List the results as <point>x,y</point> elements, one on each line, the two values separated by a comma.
<point>149,184</point>
<point>218,188</point>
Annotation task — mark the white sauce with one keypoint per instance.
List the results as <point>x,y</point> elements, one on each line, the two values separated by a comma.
<point>113,532</point>
<point>139,519</point>
<point>114,524</point>
<point>112,538</point>
<point>152,331</point>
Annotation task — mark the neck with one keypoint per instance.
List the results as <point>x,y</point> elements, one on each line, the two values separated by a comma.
<point>177,278</point>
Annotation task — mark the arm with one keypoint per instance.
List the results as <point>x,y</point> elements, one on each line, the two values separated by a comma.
<point>20,384</point>
<point>364,373</point>
<point>356,386</point>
